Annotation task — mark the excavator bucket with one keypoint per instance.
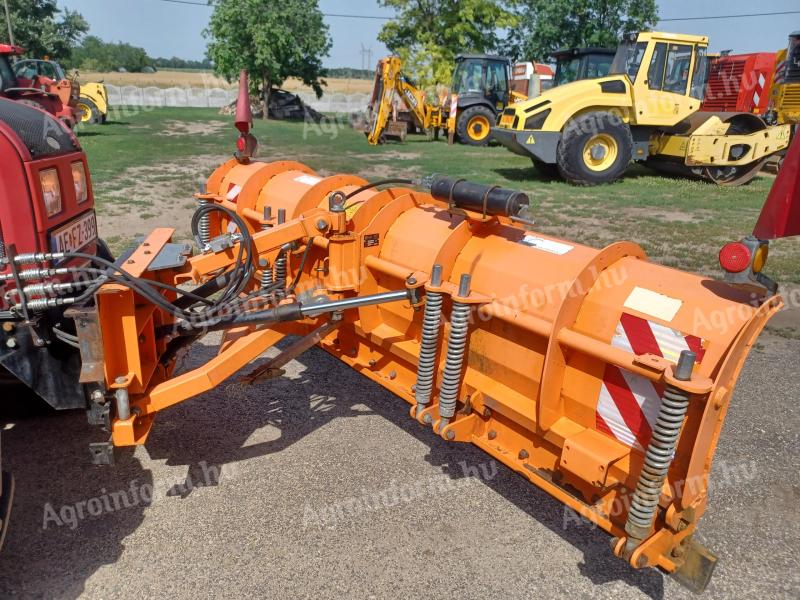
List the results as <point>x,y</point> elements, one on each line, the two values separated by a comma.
<point>780,216</point>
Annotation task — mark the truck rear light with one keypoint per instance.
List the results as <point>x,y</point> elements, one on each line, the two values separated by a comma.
<point>51,191</point>
<point>735,257</point>
<point>79,179</point>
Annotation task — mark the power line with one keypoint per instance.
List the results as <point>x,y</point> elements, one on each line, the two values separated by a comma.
<point>345,16</point>
<point>673,19</point>
<point>714,17</point>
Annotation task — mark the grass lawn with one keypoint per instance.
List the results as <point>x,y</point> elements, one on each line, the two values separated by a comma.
<point>146,167</point>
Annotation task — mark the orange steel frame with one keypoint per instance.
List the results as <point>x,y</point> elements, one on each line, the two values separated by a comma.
<point>530,408</point>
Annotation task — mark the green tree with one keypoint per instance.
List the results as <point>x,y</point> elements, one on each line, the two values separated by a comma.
<point>429,34</point>
<point>272,40</point>
<point>43,29</point>
<point>96,55</point>
<point>549,25</point>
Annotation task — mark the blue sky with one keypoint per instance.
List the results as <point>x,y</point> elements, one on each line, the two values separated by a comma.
<point>166,29</point>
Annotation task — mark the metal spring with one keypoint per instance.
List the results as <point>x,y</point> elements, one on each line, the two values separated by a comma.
<point>266,274</point>
<point>281,272</point>
<point>454,360</point>
<point>204,225</point>
<point>659,455</point>
<point>431,327</point>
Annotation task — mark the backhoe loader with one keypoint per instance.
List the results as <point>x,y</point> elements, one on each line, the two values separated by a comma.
<point>646,110</point>
<point>480,90</point>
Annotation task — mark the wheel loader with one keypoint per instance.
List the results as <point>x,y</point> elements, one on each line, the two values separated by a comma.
<point>574,64</point>
<point>647,110</point>
<point>589,375</point>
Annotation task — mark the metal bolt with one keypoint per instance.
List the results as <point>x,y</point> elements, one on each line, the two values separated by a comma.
<point>267,213</point>
<point>683,371</point>
<point>372,362</point>
<point>322,224</point>
<point>120,380</point>
<point>492,434</point>
<point>451,435</point>
<point>130,261</point>
<point>411,280</point>
<point>97,396</point>
<point>436,275</point>
<point>487,412</point>
<point>392,374</point>
<point>427,419</point>
<point>523,454</point>
<point>463,284</point>
<point>11,343</point>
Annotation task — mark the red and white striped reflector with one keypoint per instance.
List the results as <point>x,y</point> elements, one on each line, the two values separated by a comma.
<point>233,192</point>
<point>628,404</point>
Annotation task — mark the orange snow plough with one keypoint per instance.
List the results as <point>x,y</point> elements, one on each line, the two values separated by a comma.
<point>599,376</point>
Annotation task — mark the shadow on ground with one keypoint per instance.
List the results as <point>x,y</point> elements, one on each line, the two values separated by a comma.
<point>208,433</point>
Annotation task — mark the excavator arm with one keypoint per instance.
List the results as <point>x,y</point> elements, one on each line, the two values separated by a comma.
<point>390,82</point>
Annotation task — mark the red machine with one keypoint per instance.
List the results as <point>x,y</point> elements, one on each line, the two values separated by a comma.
<point>46,205</point>
<point>59,98</point>
<point>740,83</point>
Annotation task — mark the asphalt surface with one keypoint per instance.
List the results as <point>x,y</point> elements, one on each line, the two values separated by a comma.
<point>318,485</point>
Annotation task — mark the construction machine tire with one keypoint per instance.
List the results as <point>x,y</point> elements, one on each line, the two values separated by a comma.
<point>89,113</point>
<point>595,148</point>
<point>474,125</point>
<point>546,170</point>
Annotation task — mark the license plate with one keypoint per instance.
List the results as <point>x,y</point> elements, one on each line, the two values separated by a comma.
<point>74,235</point>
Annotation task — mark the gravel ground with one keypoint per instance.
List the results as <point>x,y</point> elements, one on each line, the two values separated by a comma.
<point>245,488</point>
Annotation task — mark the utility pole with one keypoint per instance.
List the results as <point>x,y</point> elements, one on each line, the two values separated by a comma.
<point>8,21</point>
<point>366,57</point>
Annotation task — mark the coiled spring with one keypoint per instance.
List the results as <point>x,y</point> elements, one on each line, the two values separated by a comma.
<point>266,274</point>
<point>456,348</point>
<point>281,273</point>
<point>431,327</point>
<point>659,455</point>
<point>204,227</point>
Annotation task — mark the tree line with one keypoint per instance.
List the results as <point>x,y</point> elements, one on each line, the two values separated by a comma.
<point>278,40</point>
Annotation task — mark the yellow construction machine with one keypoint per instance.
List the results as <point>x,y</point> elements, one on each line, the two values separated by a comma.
<point>647,110</point>
<point>479,92</point>
<point>785,94</point>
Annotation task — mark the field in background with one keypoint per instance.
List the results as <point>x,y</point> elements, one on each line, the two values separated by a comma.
<point>190,78</point>
<point>146,168</point>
